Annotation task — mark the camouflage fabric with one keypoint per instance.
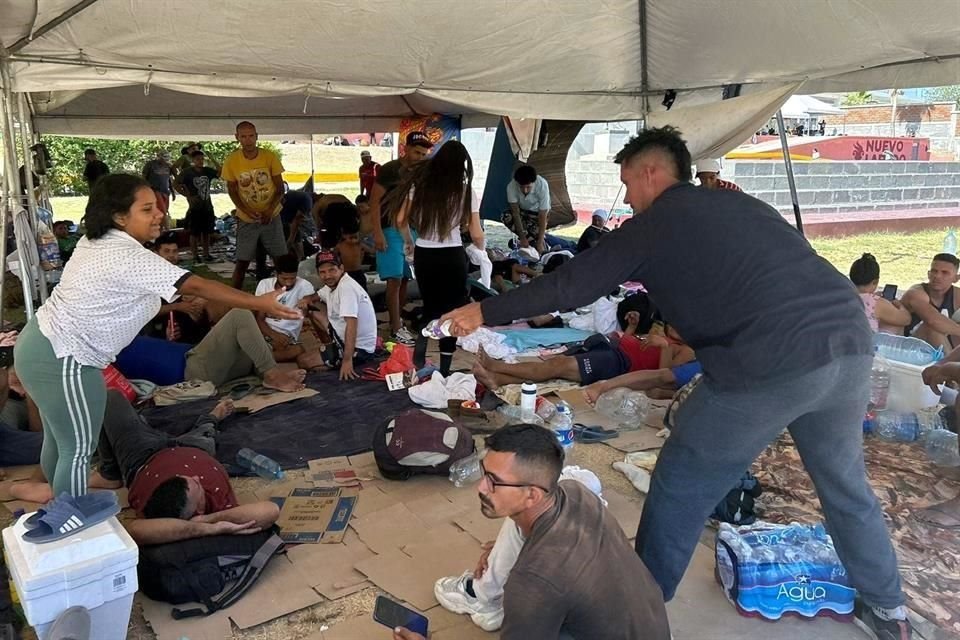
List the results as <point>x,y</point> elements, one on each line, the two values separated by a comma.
<point>904,481</point>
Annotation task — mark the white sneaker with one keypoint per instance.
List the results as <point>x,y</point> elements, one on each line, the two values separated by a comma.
<point>452,595</point>
<point>403,336</point>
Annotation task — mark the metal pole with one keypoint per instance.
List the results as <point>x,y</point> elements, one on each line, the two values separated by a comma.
<point>6,204</point>
<point>789,165</point>
<point>23,116</point>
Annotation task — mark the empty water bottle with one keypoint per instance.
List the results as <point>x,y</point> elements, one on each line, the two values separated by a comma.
<point>629,408</point>
<point>545,409</point>
<point>879,383</point>
<point>436,329</point>
<point>941,445</point>
<point>466,471</point>
<point>562,425</point>
<point>517,415</point>
<point>907,427</point>
<point>950,242</point>
<point>259,464</point>
<point>906,349</point>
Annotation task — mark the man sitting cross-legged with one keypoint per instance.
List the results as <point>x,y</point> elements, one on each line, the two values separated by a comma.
<point>602,361</point>
<point>176,486</point>
<point>284,335</point>
<point>575,574</point>
<point>346,322</point>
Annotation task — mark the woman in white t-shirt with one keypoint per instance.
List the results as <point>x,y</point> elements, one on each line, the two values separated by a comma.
<point>439,204</point>
<point>110,289</point>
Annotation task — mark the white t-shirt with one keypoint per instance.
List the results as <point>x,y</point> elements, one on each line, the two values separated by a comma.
<point>453,239</point>
<point>349,300</point>
<point>537,200</point>
<point>110,289</point>
<point>300,290</point>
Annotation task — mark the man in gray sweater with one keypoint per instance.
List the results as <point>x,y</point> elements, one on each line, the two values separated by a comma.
<point>783,342</point>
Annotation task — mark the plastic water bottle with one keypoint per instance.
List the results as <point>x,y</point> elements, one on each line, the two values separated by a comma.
<point>466,471</point>
<point>879,383</point>
<point>950,242</point>
<point>528,396</point>
<point>562,425</point>
<point>436,329</point>
<point>516,415</point>
<point>629,408</point>
<point>907,427</point>
<point>941,445</point>
<point>259,464</point>
<point>545,409</point>
<point>906,349</point>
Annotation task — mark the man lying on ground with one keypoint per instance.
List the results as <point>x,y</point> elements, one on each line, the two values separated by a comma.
<point>576,574</point>
<point>602,361</point>
<point>933,304</point>
<point>284,335</point>
<point>507,274</point>
<point>176,486</point>
<point>346,321</point>
<point>659,384</point>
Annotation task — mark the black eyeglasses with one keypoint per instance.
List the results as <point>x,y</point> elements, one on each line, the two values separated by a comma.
<point>494,483</point>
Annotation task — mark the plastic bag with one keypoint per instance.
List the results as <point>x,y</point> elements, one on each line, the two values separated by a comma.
<point>400,361</point>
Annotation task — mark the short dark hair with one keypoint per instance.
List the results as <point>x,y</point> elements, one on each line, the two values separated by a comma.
<point>61,222</point>
<point>864,270</point>
<point>167,237</point>
<point>169,500</point>
<point>947,257</point>
<point>89,152</point>
<point>286,264</point>
<point>534,447</point>
<point>525,174</point>
<point>112,194</point>
<point>664,139</point>
<point>196,152</point>
<point>245,123</point>
<point>360,199</point>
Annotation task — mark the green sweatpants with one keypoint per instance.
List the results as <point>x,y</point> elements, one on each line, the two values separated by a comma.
<point>234,348</point>
<point>71,398</point>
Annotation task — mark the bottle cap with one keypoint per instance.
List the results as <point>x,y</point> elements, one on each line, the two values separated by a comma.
<point>948,396</point>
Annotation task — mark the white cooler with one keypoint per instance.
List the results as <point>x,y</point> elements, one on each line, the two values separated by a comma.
<point>907,391</point>
<point>96,569</point>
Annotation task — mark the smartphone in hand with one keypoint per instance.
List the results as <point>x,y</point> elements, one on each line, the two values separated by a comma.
<point>890,292</point>
<point>393,614</point>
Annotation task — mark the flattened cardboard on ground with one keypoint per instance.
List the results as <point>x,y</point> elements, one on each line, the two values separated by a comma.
<point>371,499</point>
<point>435,509</point>
<point>700,610</point>
<point>311,515</point>
<point>212,627</point>
<point>357,628</point>
<point>464,631</point>
<point>279,591</point>
<point>275,489</point>
<point>391,528</point>
<point>415,487</point>
<point>411,578</point>
<point>482,528</point>
<point>22,472</point>
<point>21,505</point>
<point>625,509</point>
<point>628,441</point>
<point>340,471</point>
<point>328,568</point>
<point>254,403</point>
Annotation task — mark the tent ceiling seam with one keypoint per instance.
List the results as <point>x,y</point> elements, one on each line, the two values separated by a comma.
<point>53,24</point>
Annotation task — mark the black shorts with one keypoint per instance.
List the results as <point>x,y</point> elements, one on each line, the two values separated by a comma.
<point>200,218</point>
<point>360,276</point>
<point>602,363</point>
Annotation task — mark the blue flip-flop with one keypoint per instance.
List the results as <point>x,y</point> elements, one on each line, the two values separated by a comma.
<point>67,515</point>
<point>34,519</point>
<point>586,434</point>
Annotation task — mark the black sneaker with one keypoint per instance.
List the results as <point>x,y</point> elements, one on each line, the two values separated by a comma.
<point>881,622</point>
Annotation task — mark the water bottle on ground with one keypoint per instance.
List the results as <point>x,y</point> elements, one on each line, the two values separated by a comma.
<point>879,383</point>
<point>629,408</point>
<point>259,464</point>
<point>950,242</point>
<point>517,415</point>
<point>941,446</point>
<point>906,349</point>
<point>545,409</point>
<point>528,396</point>
<point>907,427</point>
<point>466,471</point>
<point>562,425</point>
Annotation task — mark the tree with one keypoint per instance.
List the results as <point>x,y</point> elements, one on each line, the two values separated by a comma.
<point>943,94</point>
<point>858,98</point>
<point>66,177</point>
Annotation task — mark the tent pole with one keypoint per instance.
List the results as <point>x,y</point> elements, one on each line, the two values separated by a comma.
<point>789,165</point>
<point>644,76</point>
<point>22,117</point>
<point>312,170</point>
<point>53,24</point>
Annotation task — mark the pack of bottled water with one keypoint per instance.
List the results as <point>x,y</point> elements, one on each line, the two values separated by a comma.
<point>768,570</point>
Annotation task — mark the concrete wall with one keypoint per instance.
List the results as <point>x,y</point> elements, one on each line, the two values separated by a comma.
<point>823,187</point>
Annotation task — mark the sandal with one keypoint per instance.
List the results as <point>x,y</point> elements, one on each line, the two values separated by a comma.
<point>66,515</point>
<point>587,435</point>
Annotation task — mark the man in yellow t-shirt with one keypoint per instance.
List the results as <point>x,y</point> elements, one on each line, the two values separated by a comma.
<point>255,184</point>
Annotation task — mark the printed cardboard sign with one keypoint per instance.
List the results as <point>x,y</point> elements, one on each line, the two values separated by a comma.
<point>401,380</point>
<point>311,515</point>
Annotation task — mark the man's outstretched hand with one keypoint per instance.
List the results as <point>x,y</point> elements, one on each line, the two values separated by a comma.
<point>405,634</point>
<point>465,320</point>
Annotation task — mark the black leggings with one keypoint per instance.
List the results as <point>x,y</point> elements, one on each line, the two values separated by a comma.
<point>442,280</point>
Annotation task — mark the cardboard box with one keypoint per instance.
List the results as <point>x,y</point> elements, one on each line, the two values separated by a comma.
<point>311,515</point>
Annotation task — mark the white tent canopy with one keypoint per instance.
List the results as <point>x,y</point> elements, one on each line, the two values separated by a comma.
<point>132,67</point>
<point>802,107</point>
